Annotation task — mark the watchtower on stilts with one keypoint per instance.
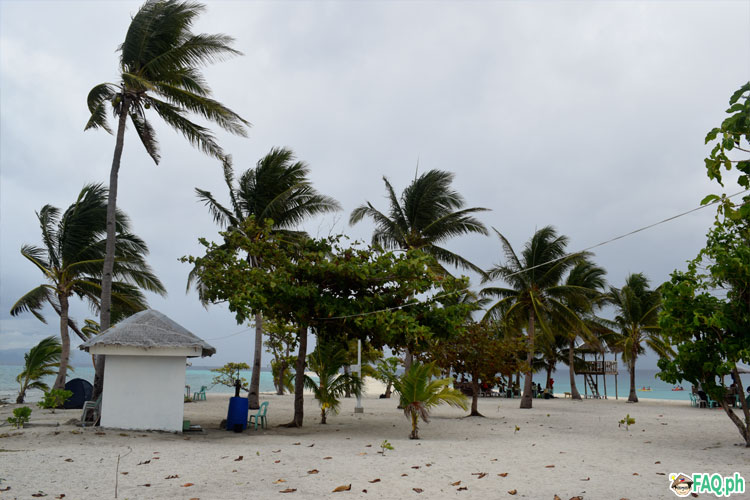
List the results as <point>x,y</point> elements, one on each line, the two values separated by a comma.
<point>591,370</point>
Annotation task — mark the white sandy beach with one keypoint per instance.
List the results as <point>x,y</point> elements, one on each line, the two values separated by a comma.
<point>564,447</point>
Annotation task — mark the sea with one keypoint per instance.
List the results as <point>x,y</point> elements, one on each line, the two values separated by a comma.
<point>196,377</point>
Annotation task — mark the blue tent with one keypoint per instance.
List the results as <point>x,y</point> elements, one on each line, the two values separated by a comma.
<point>81,390</point>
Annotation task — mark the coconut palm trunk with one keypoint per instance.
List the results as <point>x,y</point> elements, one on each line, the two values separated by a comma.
<point>109,249</point>
<point>574,394</point>
<point>526,399</point>
<point>253,395</point>
<point>475,397</point>
<point>65,343</point>
<point>633,397</point>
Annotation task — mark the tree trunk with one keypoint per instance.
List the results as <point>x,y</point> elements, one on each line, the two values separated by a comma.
<point>549,377</point>
<point>408,359</point>
<point>388,390</point>
<point>633,398</point>
<point>414,426</point>
<point>299,379</point>
<point>347,389</point>
<point>109,250</point>
<point>743,427</point>
<point>253,395</point>
<point>62,371</point>
<point>574,394</point>
<point>21,396</point>
<point>282,373</point>
<point>527,399</point>
<point>475,397</point>
<point>322,416</point>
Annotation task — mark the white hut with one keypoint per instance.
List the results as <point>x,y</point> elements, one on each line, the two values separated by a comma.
<point>144,375</point>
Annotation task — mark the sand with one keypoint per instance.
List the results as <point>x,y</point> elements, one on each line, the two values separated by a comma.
<point>563,447</point>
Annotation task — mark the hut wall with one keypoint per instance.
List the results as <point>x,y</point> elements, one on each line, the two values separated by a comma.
<point>144,392</point>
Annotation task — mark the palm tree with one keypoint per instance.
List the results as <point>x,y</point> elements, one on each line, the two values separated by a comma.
<point>589,279</point>
<point>637,320</point>
<point>428,213</point>
<point>418,393</point>
<point>71,261</point>
<point>277,189</point>
<point>159,68</point>
<point>385,371</point>
<point>536,292</point>
<point>39,362</point>
<point>326,361</point>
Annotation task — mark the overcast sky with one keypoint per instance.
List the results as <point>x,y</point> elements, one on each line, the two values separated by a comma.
<point>588,116</point>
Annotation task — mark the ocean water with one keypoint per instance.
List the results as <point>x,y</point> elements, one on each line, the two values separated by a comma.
<point>196,377</point>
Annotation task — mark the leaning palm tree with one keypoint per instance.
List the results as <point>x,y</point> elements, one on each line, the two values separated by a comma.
<point>418,393</point>
<point>160,62</point>
<point>71,260</point>
<point>536,293</point>
<point>428,213</point>
<point>39,362</point>
<point>326,361</point>
<point>277,189</point>
<point>637,321</point>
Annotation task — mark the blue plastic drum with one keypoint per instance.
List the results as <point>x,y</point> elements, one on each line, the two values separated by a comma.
<point>237,414</point>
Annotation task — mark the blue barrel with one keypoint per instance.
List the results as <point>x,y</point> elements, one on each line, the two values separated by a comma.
<point>237,414</point>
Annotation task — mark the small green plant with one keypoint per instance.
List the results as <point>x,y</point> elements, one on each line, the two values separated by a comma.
<point>54,399</point>
<point>385,445</point>
<point>627,422</point>
<point>188,399</point>
<point>517,429</point>
<point>20,416</point>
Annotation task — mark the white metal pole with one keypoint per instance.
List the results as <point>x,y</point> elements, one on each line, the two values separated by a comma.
<point>358,408</point>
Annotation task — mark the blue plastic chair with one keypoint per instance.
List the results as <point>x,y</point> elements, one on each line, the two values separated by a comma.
<point>260,416</point>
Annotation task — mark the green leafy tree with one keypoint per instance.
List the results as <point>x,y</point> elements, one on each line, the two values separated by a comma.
<point>481,351</point>
<point>71,261</point>
<point>706,309</point>
<point>20,417</point>
<point>277,189</point>
<point>160,61</point>
<point>54,398</point>
<point>229,373</point>
<point>537,294</point>
<point>419,393</point>
<point>39,362</point>
<point>636,320</point>
<point>336,291</point>
<point>427,214</point>
<point>280,342</point>
<point>386,370</point>
<point>326,361</point>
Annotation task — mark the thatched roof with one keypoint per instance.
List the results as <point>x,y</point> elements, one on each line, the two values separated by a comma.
<point>148,329</point>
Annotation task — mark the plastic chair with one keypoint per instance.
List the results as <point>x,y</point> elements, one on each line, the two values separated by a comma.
<point>259,417</point>
<point>693,400</point>
<point>94,407</point>
<point>197,396</point>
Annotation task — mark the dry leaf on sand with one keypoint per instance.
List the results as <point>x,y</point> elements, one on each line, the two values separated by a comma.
<point>456,483</point>
<point>327,458</point>
<point>418,490</point>
<point>503,474</point>
<point>187,485</point>
<point>288,490</point>
<point>173,476</point>
<point>549,466</point>
<point>463,488</point>
<point>314,471</point>
<point>343,487</point>
<point>279,481</point>
<point>238,458</point>
<point>512,492</point>
<point>376,480</point>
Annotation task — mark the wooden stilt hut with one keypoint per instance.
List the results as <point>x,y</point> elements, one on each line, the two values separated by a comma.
<point>591,370</point>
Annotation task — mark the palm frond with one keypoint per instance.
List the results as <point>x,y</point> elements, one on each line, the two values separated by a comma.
<point>97,103</point>
<point>146,133</point>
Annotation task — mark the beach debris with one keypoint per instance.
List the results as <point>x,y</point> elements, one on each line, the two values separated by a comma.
<point>155,458</point>
<point>368,446</point>
<point>124,434</point>
<point>657,462</point>
<point>75,431</point>
<point>456,483</point>
<point>376,480</point>
<point>195,498</point>
<point>428,465</point>
<point>310,446</point>
<point>549,466</point>
<point>557,497</point>
<point>277,461</point>
<point>327,458</point>
<point>186,485</point>
<point>288,490</point>
<point>296,444</point>
<point>512,492</point>
<point>463,488</point>
<point>145,462</point>
<point>363,453</point>
<point>404,474</point>
<point>415,466</point>
<point>661,474</point>
<point>517,429</point>
<point>586,479</point>
<point>493,460</point>
<point>578,498</point>
<point>124,473</point>
<point>314,471</point>
<point>257,453</point>
<point>7,488</point>
<point>418,490</point>
<point>173,476</point>
<point>100,433</point>
<point>239,459</point>
<point>276,451</point>
<point>279,481</point>
<point>68,459</point>
<point>479,475</point>
<point>39,494</point>
<point>61,495</point>
<point>503,474</point>
<point>636,474</point>
<point>343,487</point>
<point>147,485</point>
